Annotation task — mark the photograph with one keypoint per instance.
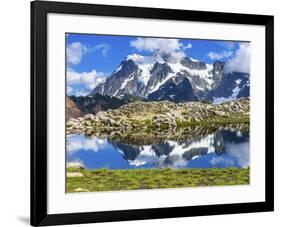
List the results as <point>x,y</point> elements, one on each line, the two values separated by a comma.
<point>142,113</point>
<point>156,112</point>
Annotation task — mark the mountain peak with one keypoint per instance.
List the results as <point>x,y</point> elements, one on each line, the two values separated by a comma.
<point>189,79</point>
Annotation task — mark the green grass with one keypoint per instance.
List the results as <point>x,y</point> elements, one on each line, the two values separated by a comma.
<point>111,180</point>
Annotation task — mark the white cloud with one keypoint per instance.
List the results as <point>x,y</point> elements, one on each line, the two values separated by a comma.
<point>156,44</point>
<point>74,52</point>
<point>87,80</point>
<point>240,152</point>
<point>69,89</point>
<point>241,60</point>
<point>171,47</point>
<point>217,160</point>
<point>79,92</point>
<point>227,44</point>
<point>176,56</point>
<point>103,47</point>
<point>77,143</point>
<point>218,56</point>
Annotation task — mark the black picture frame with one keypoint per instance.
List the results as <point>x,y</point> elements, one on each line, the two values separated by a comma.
<point>39,11</point>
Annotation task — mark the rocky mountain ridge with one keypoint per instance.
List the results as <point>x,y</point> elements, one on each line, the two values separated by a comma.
<point>157,78</point>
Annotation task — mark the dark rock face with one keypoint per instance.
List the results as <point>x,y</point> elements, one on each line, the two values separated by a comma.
<point>78,106</point>
<point>158,73</point>
<point>176,89</point>
<point>217,72</point>
<point>188,155</point>
<point>234,85</point>
<point>193,64</point>
<point>113,83</point>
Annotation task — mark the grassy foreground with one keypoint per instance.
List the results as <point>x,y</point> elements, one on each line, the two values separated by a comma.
<point>111,180</point>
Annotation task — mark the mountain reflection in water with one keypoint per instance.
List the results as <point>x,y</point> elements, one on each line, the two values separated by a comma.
<point>221,148</point>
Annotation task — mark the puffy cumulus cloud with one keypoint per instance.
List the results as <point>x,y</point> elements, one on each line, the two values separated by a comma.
<point>156,44</point>
<point>240,62</point>
<point>218,56</point>
<point>74,52</point>
<point>171,47</point>
<point>86,80</point>
<point>78,143</point>
<point>240,152</point>
<point>175,57</point>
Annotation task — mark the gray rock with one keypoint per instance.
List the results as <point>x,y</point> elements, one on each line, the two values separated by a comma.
<point>89,117</point>
<point>75,165</point>
<point>74,174</point>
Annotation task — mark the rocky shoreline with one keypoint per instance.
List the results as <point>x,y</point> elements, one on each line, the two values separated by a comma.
<point>160,117</point>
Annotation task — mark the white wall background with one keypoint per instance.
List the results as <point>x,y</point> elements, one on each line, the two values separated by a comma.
<point>14,112</point>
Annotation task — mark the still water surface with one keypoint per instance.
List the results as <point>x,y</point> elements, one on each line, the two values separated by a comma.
<point>223,148</point>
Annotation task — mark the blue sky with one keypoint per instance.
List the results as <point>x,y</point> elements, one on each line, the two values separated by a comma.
<point>91,58</point>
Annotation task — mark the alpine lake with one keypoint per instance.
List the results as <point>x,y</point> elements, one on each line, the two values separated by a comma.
<point>197,156</point>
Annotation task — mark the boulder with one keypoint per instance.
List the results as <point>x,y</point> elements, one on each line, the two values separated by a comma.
<point>81,190</point>
<point>75,165</point>
<point>89,117</point>
<point>74,174</point>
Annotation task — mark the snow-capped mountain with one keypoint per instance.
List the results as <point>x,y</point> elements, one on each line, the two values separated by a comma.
<point>158,77</point>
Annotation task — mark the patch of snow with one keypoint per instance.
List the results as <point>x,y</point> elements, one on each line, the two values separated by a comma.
<point>147,150</point>
<point>145,64</point>
<point>146,155</point>
<point>120,151</point>
<point>209,67</point>
<point>130,77</point>
<point>195,60</point>
<point>199,88</point>
<point>204,74</point>
<point>102,88</point>
<point>172,96</point>
<point>194,157</point>
<point>157,86</point>
<point>239,134</point>
<point>205,142</point>
<point>238,81</point>
<point>235,93</point>
<point>145,73</point>
<point>124,83</point>
<point>116,92</point>
<point>118,69</point>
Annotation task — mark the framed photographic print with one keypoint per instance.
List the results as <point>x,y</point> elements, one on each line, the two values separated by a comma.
<point>144,113</point>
